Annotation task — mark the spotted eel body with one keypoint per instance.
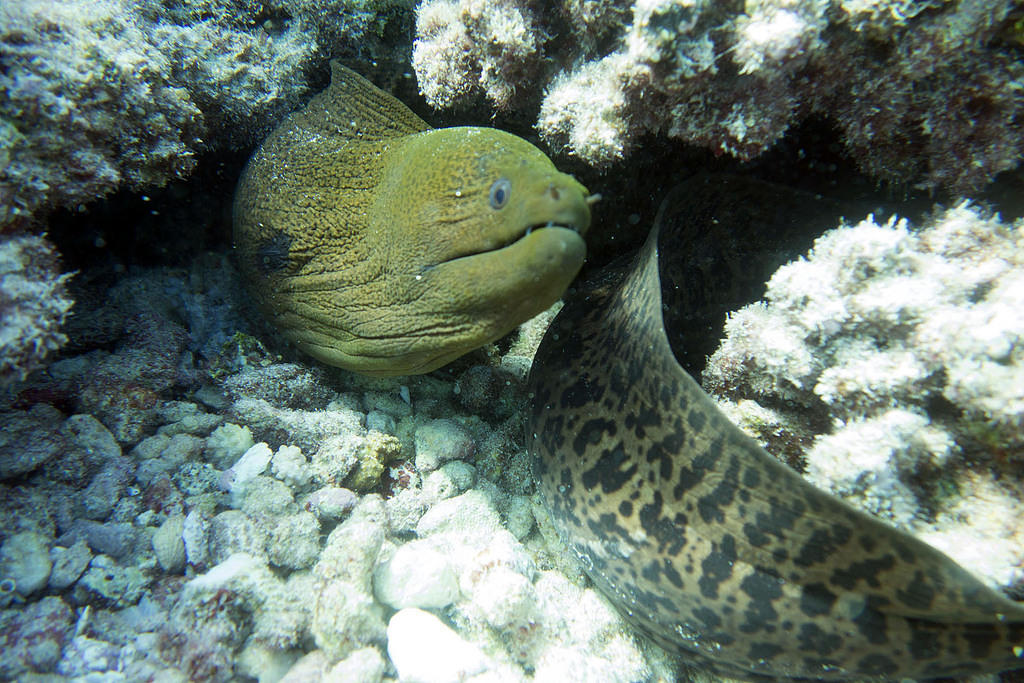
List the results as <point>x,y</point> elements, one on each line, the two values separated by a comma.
<point>711,546</point>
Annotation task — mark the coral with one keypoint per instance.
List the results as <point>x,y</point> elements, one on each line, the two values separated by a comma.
<point>197,521</point>
<point>922,93</point>
<point>227,443</point>
<point>357,459</point>
<point>304,429</point>
<point>284,385</point>
<point>900,353</point>
<point>237,599</point>
<point>231,532</point>
<point>124,389</point>
<point>294,541</point>
<point>33,303</point>
<point>89,105</point>
<point>111,93</point>
<point>262,496</point>
<point>290,466</point>
<point>466,45</point>
<point>345,615</point>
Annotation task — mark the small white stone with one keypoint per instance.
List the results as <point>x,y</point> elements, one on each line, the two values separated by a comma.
<point>365,665</point>
<point>250,465</point>
<point>470,513</point>
<point>417,575</point>
<point>405,509</point>
<point>263,663</point>
<point>195,535</point>
<point>331,503</point>
<point>310,667</point>
<point>506,599</point>
<point>238,566</point>
<point>425,650</point>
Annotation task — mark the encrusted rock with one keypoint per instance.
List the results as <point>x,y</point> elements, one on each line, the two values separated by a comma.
<point>68,564</point>
<point>32,638</point>
<point>331,503</point>
<point>440,441</point>
<point>29,438</point>
<point>294,541</point>
<point>25,560</point>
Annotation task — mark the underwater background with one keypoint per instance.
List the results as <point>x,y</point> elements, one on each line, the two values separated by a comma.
<point>185,496</point>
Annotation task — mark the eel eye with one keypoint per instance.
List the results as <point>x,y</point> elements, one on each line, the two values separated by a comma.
<point>499,193</point>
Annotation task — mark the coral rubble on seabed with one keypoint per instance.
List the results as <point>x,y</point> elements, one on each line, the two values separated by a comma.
<point>249,516</point>
<point>177,504</point>
<point>925,93</point>
<point>900,354</point>
<point>172,519</point>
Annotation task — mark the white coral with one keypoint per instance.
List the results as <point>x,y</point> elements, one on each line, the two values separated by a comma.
<point>912,342</point>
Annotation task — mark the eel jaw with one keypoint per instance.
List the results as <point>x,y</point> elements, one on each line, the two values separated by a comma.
<point>539,226</point>
<point>498,246</point>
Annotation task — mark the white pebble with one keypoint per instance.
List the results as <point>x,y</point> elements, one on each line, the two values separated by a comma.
<point>331,502</point>
<point>425,650</point>
<point>195,535</point>
<point>417,575</point>
<point>471,513</point>
<point>506,599</point>
<point>449,480</point>
<point>365,665</point>
<point>250,465</point>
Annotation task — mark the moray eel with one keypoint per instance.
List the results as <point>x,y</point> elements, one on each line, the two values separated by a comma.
<point>381,245</point>
<point>711,546</point>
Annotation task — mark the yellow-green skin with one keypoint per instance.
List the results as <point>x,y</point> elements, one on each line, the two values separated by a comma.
<point>371,240</point>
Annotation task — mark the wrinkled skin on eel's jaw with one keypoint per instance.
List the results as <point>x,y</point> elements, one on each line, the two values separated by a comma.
<point>378,244</point>
<point>711,546</point>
